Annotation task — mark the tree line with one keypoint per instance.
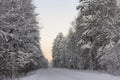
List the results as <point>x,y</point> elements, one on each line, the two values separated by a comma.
<point>20,50</point>
<point>93,41</point>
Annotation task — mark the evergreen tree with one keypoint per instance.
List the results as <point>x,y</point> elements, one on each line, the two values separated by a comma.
<point>58,51</point>
<point>71,50</point>
<point>19,38</point>
<point>98,25</point>
<point>95,41</point>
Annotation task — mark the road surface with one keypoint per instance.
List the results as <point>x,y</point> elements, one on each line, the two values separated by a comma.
<point>66,74</point>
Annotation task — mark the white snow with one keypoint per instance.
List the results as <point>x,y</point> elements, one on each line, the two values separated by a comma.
<point>88,45</point>
<point>66,74</point>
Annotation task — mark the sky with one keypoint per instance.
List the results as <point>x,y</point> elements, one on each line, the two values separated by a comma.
<point>54,16</point>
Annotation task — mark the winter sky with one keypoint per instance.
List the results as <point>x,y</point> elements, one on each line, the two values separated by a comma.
<point>54,16</point>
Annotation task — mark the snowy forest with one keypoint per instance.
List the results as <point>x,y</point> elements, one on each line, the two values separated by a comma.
<point>20,50</point>
<point>92,42</point>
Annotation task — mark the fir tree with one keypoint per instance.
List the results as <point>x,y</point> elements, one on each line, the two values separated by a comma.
<point>19,33</point>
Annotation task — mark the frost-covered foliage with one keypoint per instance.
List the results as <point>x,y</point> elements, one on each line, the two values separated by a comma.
<point>63,51</point>
<point>98,23</point>
<point>111,59</point>
<point>96,28</point>
<point>59,51</point>
<point>72,56</point>
<point>19,38</point>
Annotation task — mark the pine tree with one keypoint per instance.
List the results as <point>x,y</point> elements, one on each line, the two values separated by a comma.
<point>71,50</point>
<point>58,51</point>
<point>19,45</point>
<point>98,20</point>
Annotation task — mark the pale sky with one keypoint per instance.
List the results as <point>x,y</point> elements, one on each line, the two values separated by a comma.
<point>54,16</point>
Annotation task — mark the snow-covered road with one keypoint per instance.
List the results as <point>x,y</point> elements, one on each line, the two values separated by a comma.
<point>65,74</point>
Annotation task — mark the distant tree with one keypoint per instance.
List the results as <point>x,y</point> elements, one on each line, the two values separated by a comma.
<point>71,50</point>
<point>58,51</point>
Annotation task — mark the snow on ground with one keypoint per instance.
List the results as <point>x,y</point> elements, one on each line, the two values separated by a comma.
<point>65,74</point>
